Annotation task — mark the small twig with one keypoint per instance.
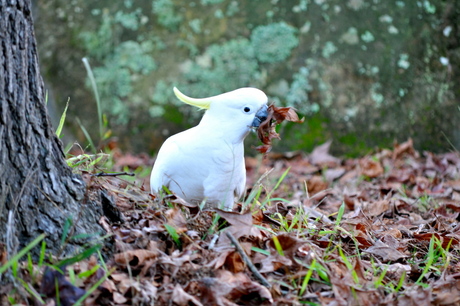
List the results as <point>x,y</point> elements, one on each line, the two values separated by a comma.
<point>248,261</point>
<point>112,174</point>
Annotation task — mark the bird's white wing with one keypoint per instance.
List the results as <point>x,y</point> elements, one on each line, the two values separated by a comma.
<point>228,178</point>
<point>197,168</point>
<point>178,168</point>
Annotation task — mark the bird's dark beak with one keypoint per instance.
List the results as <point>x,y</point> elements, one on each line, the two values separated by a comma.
<point>261,116</point>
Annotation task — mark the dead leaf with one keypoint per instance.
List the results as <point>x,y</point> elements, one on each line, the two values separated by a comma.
<point>176,219</point>
<point>384,251</point>
<point>370,168</point>
<point>234,262</point>
<point>119,298</point>
<point>241,226</point>
<point>134,258</point>
<point>376,208</point>
<point>320,156</point>
<point>404,148</point>
<point>316,184</point>
<point>180,297</point>
<point>266,130</point>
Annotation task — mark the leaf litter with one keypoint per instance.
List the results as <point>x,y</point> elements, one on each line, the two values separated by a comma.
<point>396,242</point>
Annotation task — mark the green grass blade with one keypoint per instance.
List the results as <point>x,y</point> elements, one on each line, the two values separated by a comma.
<point>62,120</point>
<point>429,261</point>
<point>65,230</point>
<point>261,251</point>
<point>79,257</point>
<point>173,233</point>
<point>56,286</point>
<point>14,269</point>
<point>340,214</point>
<point>101,259</point>
<point>21,253</point>
<point>379,280</point>
<point>42,254</point>
<point>283,176</point>
<point>31,291</point>
<point>93,288</point>
<point>401,281</point>
<point>30,265</point>
<point>89,272</point>
<point>278,246</point>
<point>278,183</point>
<point>72,277</point>
<point>307,277</point>
<point>88,137</point>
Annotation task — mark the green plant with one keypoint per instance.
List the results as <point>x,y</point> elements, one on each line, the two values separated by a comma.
<point>268,198</point>
<point>88,162</point>
<point>436,257</point>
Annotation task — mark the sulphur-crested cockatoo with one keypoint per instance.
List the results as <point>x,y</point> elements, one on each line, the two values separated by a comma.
<point>206,162</point>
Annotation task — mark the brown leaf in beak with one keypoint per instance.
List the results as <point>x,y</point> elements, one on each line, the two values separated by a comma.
<point>266,131</point>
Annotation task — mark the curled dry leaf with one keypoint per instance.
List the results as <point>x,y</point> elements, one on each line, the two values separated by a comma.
<point>266,131</point>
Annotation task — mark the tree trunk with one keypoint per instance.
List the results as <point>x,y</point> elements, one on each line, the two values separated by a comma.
<point>36,185</point>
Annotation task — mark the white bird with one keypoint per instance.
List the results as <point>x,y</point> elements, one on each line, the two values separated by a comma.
<point>206,162</point>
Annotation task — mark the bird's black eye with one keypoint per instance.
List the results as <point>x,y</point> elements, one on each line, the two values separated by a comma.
<point>247,109</point>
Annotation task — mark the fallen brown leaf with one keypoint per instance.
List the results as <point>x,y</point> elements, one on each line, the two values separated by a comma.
<point>384,251</point>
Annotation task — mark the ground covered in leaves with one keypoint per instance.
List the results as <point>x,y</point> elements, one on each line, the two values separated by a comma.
<point>314,229</point>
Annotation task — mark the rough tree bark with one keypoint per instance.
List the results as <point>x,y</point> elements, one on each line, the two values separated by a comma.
<point>36,185</point>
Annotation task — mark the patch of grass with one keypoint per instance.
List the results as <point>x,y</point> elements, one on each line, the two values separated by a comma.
<point>32,281</point>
